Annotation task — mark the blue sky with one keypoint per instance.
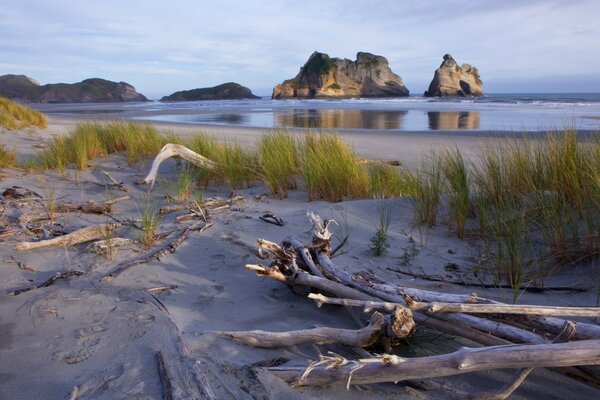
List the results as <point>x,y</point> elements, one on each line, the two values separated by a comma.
<point>164,46</point>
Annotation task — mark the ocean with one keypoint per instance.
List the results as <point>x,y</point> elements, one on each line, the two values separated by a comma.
<point>527,112</point>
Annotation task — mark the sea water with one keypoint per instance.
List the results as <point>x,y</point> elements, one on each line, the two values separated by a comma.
<point>492,112</point>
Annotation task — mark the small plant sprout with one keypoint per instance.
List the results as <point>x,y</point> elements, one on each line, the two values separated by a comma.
<point>379,242</point>
<point>150,221</point>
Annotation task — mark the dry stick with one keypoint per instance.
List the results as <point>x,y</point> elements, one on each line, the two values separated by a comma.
<point>487,285</point>
<point>548,324</point>
<point>118,185</point>
<point>435,307</point>
<point>165,376</point>
<point>361,338</point>
<point>50,281</point>
<point>176,150</point>
<point>565,335</point>
<point>393,368</point>
<point>90,207</point>
<point>157,253</point>
<point>272,219</point>
<point>79,236</point>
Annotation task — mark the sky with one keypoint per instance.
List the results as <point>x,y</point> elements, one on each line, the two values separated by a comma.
<point>164,46</point>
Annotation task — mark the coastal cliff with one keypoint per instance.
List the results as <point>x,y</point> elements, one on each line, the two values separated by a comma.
<point>95,90</point>
<point>450,80</point>
<point>325,77</point>
<point>226,91</point>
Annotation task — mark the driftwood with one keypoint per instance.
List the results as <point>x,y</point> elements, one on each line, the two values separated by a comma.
<point>89,207</point>
<point>79,236</point>
<point>527,288</point>
<point>176,150</point>
<point>361,338</point>
<point>114,183</point>
<point>165,376</point>
<point>436,307</point>
<point>390,368</point>
<point>50,281</point>
<point>459,315</point>
<point>103,246</point>
<point>154,254</point>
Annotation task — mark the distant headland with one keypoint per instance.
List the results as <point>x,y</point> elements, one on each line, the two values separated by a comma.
<point>95,90</point>
<point>225,91</point>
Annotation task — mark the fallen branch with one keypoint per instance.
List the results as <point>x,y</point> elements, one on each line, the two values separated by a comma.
<point>361,338</point>
<point>436,307</point>
<point>165,376</point>
<point>79,236</point>
<point>155,254</point>
<point>114,183</point>
<point>50,281</point>
<point>176,150</point>
<point>272,219</point>
<point>390,368</point>
<point>527,288</point>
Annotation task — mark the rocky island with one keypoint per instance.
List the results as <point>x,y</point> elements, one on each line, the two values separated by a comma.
<point>225,91</point>
<point>325,77</point>
<point>450,80</point>
<point>95,90</point>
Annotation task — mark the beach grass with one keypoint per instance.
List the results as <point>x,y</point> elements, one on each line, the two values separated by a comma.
<point>331,170</point>
<point>93,139</point>
<point>14,116</point>
<point>388,181</point>
<point>457,178</point>
<point>8,158</point>
<point>278,160</point>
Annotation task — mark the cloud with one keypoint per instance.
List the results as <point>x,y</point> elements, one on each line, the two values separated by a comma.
<point>159,47</point>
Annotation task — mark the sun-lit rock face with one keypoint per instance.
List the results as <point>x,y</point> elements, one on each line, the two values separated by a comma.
<point>450,80</point>
<point>325,77</point>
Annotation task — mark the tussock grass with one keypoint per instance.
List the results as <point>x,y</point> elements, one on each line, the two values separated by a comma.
<point>278,161</point>
<point>150,221</point>
<point>8,158</point>
<point>91,140</point>
<point>537,200</point>
<point>457,177</point>
<point>387,181</point>
<point>14,116</point>
<point>330,169</point>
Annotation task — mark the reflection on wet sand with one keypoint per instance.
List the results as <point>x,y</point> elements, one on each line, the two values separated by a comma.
<point>339,119</point>
<point>448,120</point>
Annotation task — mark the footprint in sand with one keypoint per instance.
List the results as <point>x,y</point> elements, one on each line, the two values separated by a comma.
<point>139,324</point>
<point>208,294</point>
<point>88,341</point>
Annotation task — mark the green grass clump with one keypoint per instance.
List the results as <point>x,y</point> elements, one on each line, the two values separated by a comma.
<point>278,161</point>
<point>330,169</point>
<point>8,158</point>
<point>14,116</point>
<point>428,191</point>
<point>91,140</point>
<point>150,221</point>
<point>388,181</point>
<point>456,175</point>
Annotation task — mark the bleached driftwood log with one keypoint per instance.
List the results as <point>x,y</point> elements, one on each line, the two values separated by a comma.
<point>79,236</point>
<point>436,307</point>
<point>390,368</point>
<point>361,338</point>
<point>176,150</point>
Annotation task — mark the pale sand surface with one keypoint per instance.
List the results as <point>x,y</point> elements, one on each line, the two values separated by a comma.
<point>101,337</point>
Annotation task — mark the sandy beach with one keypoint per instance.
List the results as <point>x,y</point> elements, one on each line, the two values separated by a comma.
<point>84,338</point>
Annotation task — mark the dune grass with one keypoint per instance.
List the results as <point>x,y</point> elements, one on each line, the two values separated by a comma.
<point>8,158</point>
<point>91,140</point>
<point>14,116</point>
<point>537,201</point>
<point>331,170</point>
<point>278,160</point>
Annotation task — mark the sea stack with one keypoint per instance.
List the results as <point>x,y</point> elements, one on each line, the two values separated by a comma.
<point>225,91</point>
<point>95,90</point>
<point>325,77</point>
<point>450,80</point>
